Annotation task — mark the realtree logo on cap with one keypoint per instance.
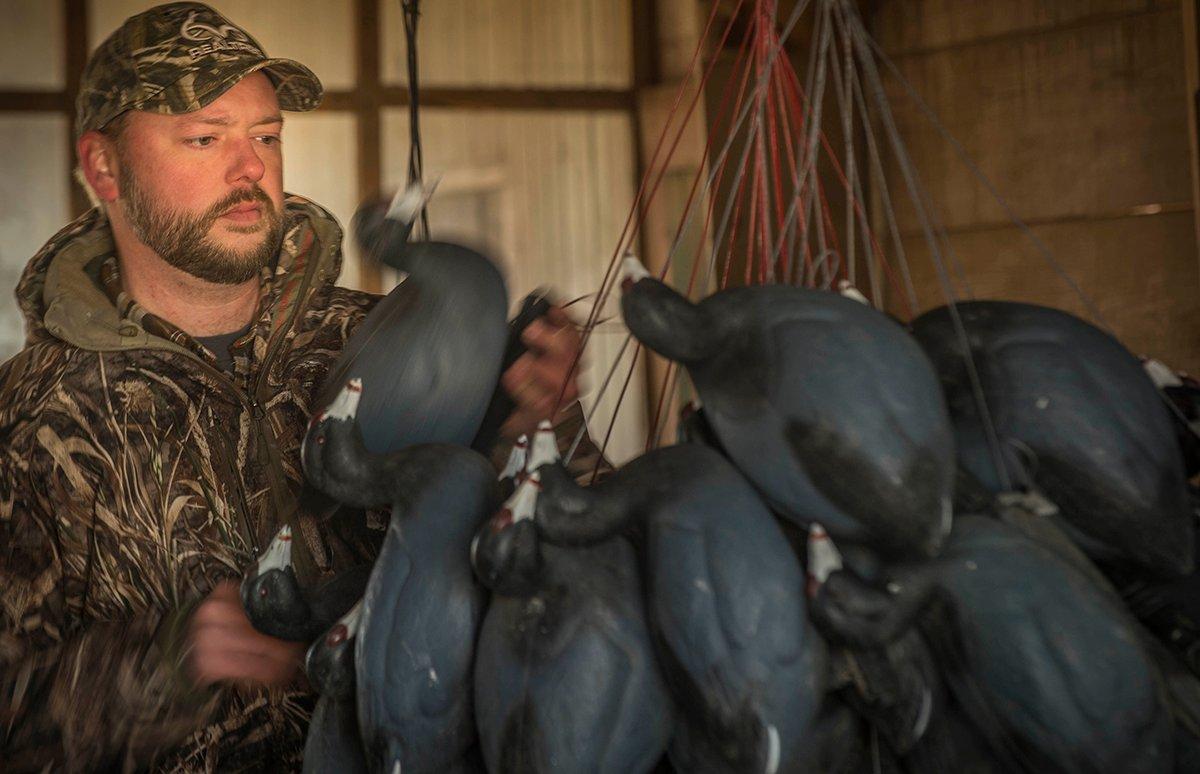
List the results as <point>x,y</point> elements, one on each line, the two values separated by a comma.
<point>224,38</point>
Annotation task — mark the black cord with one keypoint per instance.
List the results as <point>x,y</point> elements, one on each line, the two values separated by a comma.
<point>412,13</point>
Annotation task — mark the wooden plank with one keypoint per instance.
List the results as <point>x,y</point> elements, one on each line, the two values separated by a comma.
<point>369,140</point>
<point>918,27</point>
<point>514,99</point>
<point>1085,120</point>
<point>36,101</point>
<point>1140,272</point>
<point>75,17</point>
<point>1190,14</point>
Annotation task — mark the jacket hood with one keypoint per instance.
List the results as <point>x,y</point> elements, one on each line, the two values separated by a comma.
<point>59,292</point>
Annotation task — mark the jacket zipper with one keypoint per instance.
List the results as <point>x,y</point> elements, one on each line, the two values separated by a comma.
<point>258,415</point>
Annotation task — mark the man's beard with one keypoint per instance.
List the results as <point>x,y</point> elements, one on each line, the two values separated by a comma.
<point>182,240</point>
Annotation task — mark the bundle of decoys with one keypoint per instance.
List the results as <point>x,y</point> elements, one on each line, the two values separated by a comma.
<point>878,547</point>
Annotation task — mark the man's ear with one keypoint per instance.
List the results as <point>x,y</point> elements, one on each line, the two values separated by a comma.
<point>98,162</point>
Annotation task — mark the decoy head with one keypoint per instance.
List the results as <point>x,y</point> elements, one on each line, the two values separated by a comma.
<point>329,662</point>
<point>505,552</point>
<point>847,609</point>
<point>270,593</point>
<point>382,226</point>
<point>664,320</point>
<point>333,439</point>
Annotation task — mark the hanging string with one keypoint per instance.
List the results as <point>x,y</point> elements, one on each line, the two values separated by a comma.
<point>412,14</point>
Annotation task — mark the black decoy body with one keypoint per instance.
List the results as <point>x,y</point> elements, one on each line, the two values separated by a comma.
<point>1047,665</point>
<point>277,605</point>
<point>566,678</point>
<point>422,607</point>
<point>724,598</point>
<point>1076,418</point>
<point>827,406</point>
<point>431,349</point>
<point>333,742</point>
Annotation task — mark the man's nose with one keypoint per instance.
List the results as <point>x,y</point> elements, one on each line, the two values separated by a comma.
<point>246,164</point>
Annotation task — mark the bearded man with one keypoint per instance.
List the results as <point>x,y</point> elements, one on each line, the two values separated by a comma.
<point>176,335</point>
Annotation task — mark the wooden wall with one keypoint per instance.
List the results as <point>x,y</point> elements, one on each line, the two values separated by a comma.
<point>1077,111</point>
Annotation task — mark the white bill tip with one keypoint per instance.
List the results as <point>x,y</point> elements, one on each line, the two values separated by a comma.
<point>632,269</point>
<point>345,405</point>
<point>545,447</point>
<point>523,501</point>
<point>516,459</point>
<point>823,556</point>
<point>849,291</point>
<point>1161,374</point>
<point>279,554</point>
<point>408,202</point>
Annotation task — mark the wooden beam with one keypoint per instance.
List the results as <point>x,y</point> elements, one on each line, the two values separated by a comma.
<point>366,99</point>
<point>514,99</point>
<point>75,20</point>
<point>647,69</point>
<point>484,99</point>
<point>1191,70</point>
<point>1141,211</point>
<point>35,101</point>
<point>1091,20</point>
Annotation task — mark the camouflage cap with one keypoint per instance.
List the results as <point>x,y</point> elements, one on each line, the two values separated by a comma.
<point>176,58</point>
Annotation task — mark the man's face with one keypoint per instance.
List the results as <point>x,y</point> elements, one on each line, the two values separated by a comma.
<point>204,190</point>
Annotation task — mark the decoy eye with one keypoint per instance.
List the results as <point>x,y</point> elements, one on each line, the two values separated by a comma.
<point>263,592</point>
<point>337,635</point>
<point>320,439</point>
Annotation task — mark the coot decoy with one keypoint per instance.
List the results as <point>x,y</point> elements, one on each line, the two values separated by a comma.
<point>724,598</point>
<point>827,406</point>
<point>277,605</point>
<point>422,606</point>
<point>1047,665</point>
<point>566,678</point>
<point>432,348</point>
<point>1077,418</point>
<point>333,742</point>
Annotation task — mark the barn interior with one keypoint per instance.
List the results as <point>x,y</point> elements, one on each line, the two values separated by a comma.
<point>964,542</point>
<point>1060,162</point>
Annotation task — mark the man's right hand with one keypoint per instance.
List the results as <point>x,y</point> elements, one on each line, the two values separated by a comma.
<point>223,646</point>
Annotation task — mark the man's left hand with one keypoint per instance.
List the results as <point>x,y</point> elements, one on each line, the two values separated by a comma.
<point>536,380</point>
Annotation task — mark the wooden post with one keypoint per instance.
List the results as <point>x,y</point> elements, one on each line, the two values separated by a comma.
<point>666,33</point>
<point>1191,67</point>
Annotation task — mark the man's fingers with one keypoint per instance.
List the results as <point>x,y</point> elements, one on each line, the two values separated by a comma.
<point>558,316</point>
<point>559,340</point>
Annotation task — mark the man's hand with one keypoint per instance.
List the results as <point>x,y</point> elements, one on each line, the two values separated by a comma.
<point>536,380</point>
<point>223,646</point>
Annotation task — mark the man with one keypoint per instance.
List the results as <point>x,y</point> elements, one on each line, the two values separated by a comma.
<point>152,424</point>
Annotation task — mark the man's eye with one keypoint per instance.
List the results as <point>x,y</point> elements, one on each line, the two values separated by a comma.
<point>269,139</point>
<point>201,142</point>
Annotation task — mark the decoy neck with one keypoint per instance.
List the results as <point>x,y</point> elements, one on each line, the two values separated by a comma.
<point>568,514</point>
<point>571,515</point>
<point>334,458</point>
<point>668,323</point>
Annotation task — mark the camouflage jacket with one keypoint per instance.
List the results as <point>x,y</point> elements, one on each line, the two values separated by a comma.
<point>134,475</point>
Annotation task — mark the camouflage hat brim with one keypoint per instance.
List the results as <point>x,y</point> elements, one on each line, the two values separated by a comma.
<point>178,58</point>
<point>296,86</point>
